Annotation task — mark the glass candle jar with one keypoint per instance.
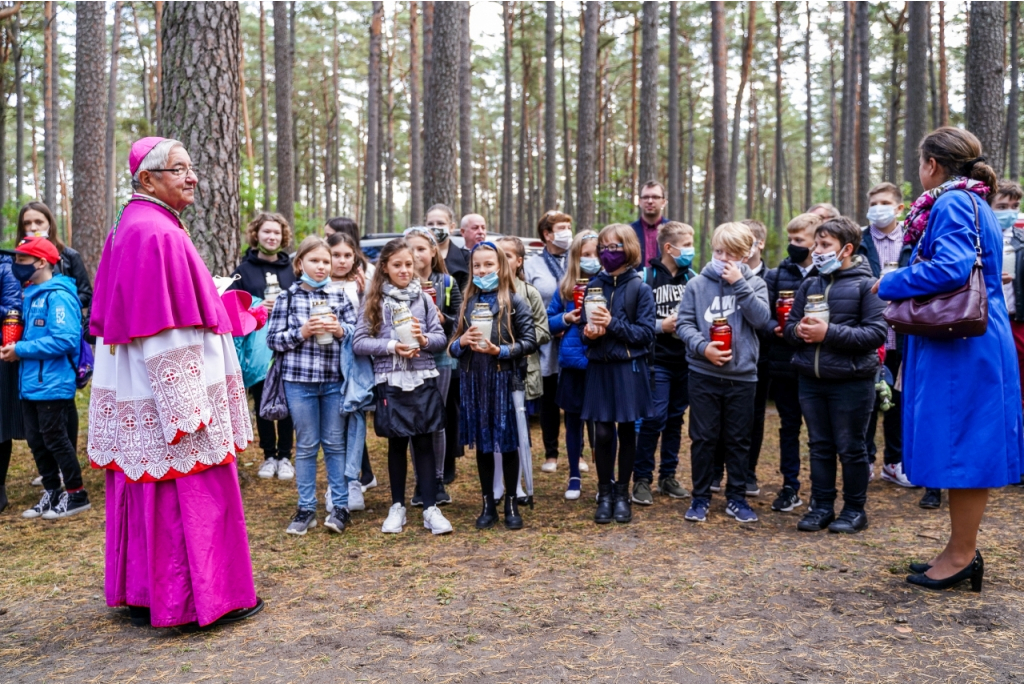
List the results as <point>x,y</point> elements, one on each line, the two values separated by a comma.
<point>579,291</point>
<point>427,286</point>
<point>320,309</point>
<point>594,299</point>
<point>272,288</point>
<point>13,327</point>
<point>401,321</point>
<point>484,322</point>
<point>890,267</point>
<point>721,332</point>
<point>817,308</point>
<point>783,305</point>
<point>1009,258</point>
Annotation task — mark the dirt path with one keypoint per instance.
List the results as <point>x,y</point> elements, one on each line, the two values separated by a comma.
<point>562,601</point>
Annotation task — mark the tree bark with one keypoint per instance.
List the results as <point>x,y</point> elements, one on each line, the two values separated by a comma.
<point>505,202</point>
<point>111,109</point>
<point>200,90</point>
<point>808,118</point>
<point>864,113</point>
<point>550,143</point>
<point>720,115</point>
<point>19,115</point>
<point>283,109</point>
<point>389,143</point>
<point>372,166</point>
<point>416,161</point>
<point>428,57</point>
<point>984,73</point>
<point>49,135</point>
<point>943,78</point>
<point>90,207</point>
<point>649,95</point>
<point>748,56</point>
<point>917,99</point>
<point>1013,135</point>
<point>847,123</point>
<point>465,113</point>
<point>779,159</point>
<point>522,184</point>
<point>674,181</point>
<point>158,14</point>
<point>566,159</point>
<point>895,94</point>
<point>586,118</point>
<point>264,131</point>
<point>439,178</point>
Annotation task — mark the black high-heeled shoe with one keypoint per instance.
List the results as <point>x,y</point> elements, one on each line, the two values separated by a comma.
<point>975,572</point>
<point>918,568</point>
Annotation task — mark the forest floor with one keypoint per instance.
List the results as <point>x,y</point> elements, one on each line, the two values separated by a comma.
<point>563,600</point>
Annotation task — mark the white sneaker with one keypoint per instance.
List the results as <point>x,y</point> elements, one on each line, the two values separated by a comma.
<point>47,502</point>
<point>356,502</point>
<point>573,491</point>
<point>583,466</point>
<point>37,481</point>
<point>435,522</point>
<point>871,472</point>
<point>285,470</point>
<point>549,466</point>
<point>369,486</point>
<point>269,468</point>
<point>395,520</point>
<point>894,474</point>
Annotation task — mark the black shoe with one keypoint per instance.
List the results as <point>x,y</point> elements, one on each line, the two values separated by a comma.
<point>139,616</point>
<point>623,508</point>
<point>442,495</point>
<point>449,476</point>
<point>788,500</point>
<point>849,521</point>
<point>816,519</point>
<point>3,498</point>
<point>513,521</point>
<point>918,568</point>
<point>931,499</point>
<point>526,501</point>
<point>417,499</point>
<point>975,572</point>
<point>239,614</point>
<point>489,516</point>
<point>70,503</point>
<point>605,500</point>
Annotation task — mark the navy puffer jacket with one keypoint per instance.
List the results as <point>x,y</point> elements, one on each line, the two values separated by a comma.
<point>630,334</point>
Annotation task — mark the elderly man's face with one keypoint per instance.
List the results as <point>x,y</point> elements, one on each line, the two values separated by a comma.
<point>474,230</point>
<point>176,184</point>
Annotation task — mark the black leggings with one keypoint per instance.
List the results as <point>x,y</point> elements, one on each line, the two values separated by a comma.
<point>550,417</point>
<point>423,462</point>
<point>604,451</point>
<point>509,469</point>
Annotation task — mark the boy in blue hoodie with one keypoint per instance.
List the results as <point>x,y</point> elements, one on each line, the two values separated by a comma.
<point>48,351</point>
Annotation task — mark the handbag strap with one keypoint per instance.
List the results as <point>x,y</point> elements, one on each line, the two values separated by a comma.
<point>977,229</point>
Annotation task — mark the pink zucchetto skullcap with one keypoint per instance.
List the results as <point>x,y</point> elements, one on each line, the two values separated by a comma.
<point>141,148</point>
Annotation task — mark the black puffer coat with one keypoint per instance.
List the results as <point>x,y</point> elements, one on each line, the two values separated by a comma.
<point>856,328</point>
<point>779,353</point>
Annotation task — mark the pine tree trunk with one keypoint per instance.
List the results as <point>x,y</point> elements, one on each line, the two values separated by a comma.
<point>428,57</point>
<point>634,106</point>
<point>296,157</point>
<point>505,202</point>
<point>439,178</point>
<point>111,110</point>
<point>748,56</point>
<point>566,159</point>
<point>917,64</point>
<point>286,177</point>
<point>243,102</point>
<point>203,114</point>
<point>984,73</point>
<point>372,166</point>
<point>895,96</point>
<point>90,206</point>
<point>158,12</point>
<point>833,125</point>
<point>333,135</point>
<point>705,225</point>
<point>19,115</point>
<point>943,78</point>
<point>808,118</point>
<point>1012,134</point>
<point>416,161</point>
<point>675,198</point>
<point>146,73</point>
<point>649,95</point>
<point>550,143</point>
<point>522,186</point>
<point>49,135</point>
<point>587,118</point>
<point>847,122</point>
<point>720,115</point>
<point>779,159</point>
<point>864,110</point>
<point>389,144</point>
<point>691,149</point>
<point>932,86</point>
<point>264,132</point>
<point>465,114</point>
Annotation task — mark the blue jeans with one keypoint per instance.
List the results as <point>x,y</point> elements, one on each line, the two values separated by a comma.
<point>315,409</point>
<point>670,387</point>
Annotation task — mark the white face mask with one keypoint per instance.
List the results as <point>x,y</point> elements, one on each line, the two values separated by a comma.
<point>562,239</point>
<point>881,216</point>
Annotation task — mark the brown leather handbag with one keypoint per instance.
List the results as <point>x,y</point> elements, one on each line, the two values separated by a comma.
<point>960,313</point>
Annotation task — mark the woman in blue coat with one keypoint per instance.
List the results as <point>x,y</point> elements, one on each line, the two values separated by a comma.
<point>961,409</point>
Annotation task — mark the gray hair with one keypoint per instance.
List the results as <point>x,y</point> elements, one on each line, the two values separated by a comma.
<point>155,159</point>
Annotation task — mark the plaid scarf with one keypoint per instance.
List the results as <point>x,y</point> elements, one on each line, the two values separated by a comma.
<point>917,219</point>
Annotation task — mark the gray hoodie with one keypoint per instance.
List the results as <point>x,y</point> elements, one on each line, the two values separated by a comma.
<point>744,304</point>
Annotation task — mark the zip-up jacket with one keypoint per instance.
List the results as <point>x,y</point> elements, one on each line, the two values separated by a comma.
<point>779,353</point>
<point>253,272</point>
<point>520,341</point>
<point>49,346</point>
<point>571,353</point>
<point>630,333</point>
<point>668,290</point>
<point>856,328</point>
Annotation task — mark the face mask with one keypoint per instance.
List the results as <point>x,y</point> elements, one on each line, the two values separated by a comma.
<point>590,265</point>
<point>797,254</point>
<point>266,251</point>
<point>826,263</point>
<point>1006,218</point>
<point>562,239</point>
<point>881,216</point>
<point>23,272</point>
<point>440,233</point>
<point>488,282</point>
<point>685,257</point>
<point>314,284</point>
<point>612,261</point>
<point>718,265</point>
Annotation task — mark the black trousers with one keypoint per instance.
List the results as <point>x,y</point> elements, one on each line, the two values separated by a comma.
<point>892,422</point>
<point>46,430</point>
<point>423,462</point>
<point>550,417</point>
<point>721,412</point>
<point>756,430</point>
<point>276,437</point>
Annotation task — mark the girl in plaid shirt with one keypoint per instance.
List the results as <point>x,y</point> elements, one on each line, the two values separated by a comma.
<point>311,372</point>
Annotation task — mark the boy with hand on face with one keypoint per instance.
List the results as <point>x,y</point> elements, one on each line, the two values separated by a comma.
<point>49,352</point>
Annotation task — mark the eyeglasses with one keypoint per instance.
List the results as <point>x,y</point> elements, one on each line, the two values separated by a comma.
<point>651,198</point>
<point>180,171</point>
<point>611,247</point>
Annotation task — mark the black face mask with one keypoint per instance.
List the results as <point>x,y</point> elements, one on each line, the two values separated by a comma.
<point>798,254</point>
<point>23,272</point>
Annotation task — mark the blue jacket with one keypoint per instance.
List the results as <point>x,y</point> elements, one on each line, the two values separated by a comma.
<point>630,334</point>
<point>254,355</point>
<point>357,397</point>
<point>10,289</point>
<point>49,346</point>
<point>571,354</point>
<point>961,398</point>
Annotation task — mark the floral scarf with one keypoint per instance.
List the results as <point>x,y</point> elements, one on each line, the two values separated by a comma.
<point>917,218</point>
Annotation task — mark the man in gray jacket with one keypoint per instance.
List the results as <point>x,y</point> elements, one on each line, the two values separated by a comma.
<point>723,377</point>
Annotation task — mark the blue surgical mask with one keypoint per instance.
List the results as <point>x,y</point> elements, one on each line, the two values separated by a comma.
<point>317,285</point>
<point>590,265</point>
<point>487,283</point>
<point>718,265</point>
<point>881,216</point>
<point>1006,218</point>
<point>826,263</point>
<point>685,257</point>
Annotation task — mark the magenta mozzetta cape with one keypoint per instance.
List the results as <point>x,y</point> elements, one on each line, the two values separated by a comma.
<point>151,278</point>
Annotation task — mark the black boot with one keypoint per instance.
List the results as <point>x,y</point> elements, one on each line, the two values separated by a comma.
<point>513,521</point>
<point>139,616</point>
<point>605,499</point>
<point>623,508</point>
<point>489,516</point>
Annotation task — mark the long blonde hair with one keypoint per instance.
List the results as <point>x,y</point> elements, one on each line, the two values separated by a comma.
<point>572,268</point>
<point>506,289</point>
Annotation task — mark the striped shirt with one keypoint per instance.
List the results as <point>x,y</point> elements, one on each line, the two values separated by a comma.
<point>888,248</point>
